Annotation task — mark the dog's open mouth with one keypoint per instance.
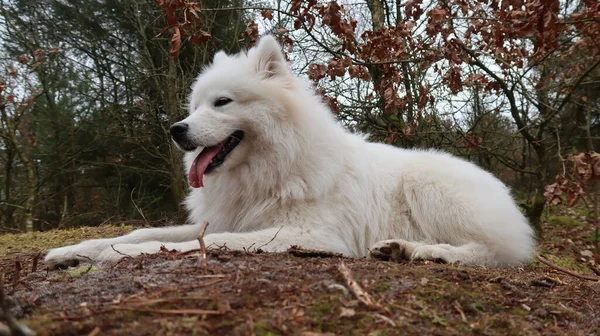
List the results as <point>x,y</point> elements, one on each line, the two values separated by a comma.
<point>212,157</point>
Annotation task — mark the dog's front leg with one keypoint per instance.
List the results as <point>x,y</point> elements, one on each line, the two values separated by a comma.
<point>270,240</point>
<point>96,249</point>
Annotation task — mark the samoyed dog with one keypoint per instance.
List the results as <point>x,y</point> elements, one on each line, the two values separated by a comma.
<point>269,166</point>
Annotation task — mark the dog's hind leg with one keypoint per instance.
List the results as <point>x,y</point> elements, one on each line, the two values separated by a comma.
<point>398,249</point>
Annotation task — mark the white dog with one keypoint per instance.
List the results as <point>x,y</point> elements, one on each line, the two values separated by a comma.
<point>266,158</point>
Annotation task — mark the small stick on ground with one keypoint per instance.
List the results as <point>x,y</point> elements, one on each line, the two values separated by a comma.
<point>123,254</point>
<point>456,306</point>
<point>14,327</point>
<point>360,293</point>
<point>594,269</point>
<point>172,311</point>
<point>567,271</point>
<point>95,332</point>
<point>17,277</point>
<point>35,261</point>
<point>204,261</point>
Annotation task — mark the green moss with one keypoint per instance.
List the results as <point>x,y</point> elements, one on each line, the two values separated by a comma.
<point>433,317</point>
<point>38,323</point>
<point>367,319</point>
<point>564,221</point>
<point>78,272</point>
<point>41,241</point>
<point>320,308</point>
<point>321,312</point>
<point>264,328</point>
<point>478,306</point>
<point>127,316</point>
<point>382,287</point>
<point>568,262</point>
<point>516,311</point>
<point>499,324</point>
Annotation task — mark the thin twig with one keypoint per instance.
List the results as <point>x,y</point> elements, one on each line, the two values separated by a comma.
<point>360,293</point>
<point>86,257</point>
<point>138,208</point>
<point>269,242</point>
<point>112,246</point>
<point>17,275</point>
<point>173,311</point>
<point>35,261</point>
<point>204,261</point>
<point>456,306</point>
<point>567,271</point>
<point>95,332</point>
<point>14,327</point>
<point>594,269</point>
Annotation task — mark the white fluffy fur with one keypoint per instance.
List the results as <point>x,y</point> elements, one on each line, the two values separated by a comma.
<point>298,171</point>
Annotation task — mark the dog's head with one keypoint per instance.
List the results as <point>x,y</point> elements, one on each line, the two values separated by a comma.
<point>234,103</point>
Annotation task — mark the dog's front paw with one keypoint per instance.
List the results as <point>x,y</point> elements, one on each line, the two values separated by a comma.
<point>64,257</point>
<point>393,250</point>
<point>61,258</point>
<point>72,255</point>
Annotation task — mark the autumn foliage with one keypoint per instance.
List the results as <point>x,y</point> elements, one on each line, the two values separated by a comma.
<point>585,168</point>
<point>182,21</point>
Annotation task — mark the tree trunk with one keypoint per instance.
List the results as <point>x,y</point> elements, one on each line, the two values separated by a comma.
<point>31,184</point>
<point>8,210</point>
<point>29,202</point>
<point>170,100</point>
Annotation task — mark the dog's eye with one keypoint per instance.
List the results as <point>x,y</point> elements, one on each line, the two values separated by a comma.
<point>222,101</point>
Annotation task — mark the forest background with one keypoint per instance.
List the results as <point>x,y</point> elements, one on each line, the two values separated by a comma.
<point>89,88</point>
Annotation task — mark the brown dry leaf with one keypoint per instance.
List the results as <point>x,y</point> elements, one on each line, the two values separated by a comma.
<point>267,14</point>
<point>595,163</point>
<point>23,59</point>
<point>176,43</point>
<point>581,165</point>
<point>251,32</point>
<point>553,193</point>
<point>317,71</point>
<point>347,312</point>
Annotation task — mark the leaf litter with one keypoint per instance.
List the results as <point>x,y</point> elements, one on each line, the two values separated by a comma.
<point>303,293</point>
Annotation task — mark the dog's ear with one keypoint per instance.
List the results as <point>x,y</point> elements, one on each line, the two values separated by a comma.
<point>219,56</point>
<point>268,58</point>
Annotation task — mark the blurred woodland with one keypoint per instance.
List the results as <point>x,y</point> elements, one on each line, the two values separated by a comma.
<point>88,90</point>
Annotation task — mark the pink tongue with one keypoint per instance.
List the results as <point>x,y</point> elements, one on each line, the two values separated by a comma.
<point>200,163</point>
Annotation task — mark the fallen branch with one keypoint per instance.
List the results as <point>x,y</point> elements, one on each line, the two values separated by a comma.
<point>360,293</point>
<point>305,253</point>
<point>173,311</point>
<point>14,328</point>
<point>594,269</point>
<point>204,261</point>
<point>567,271</point>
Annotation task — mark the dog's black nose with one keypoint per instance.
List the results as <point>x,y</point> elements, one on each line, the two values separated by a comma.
<point>178,130</point>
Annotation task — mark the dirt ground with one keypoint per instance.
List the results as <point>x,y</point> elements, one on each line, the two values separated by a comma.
<point>300,293</point>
